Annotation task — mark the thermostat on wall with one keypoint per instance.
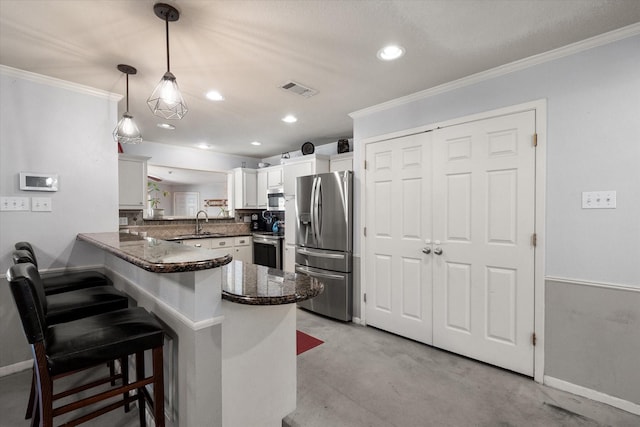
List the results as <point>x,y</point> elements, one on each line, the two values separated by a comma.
<point>33,181</point>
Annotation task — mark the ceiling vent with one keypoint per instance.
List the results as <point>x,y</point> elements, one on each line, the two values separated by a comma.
<point>298,89</point>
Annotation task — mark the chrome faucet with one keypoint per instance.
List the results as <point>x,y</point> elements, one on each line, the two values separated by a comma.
<point>198,226</point>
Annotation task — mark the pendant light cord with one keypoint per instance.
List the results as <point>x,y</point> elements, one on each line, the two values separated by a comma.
<point>166,21</point>
<point>127,92</point>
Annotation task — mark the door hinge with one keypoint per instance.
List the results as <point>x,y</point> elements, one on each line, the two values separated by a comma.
<point>535,139</point>
<point>365,165</point>
<point>534,239</point>
<point>534,339</point>
<point>365,232</point>
<point>365,298</point>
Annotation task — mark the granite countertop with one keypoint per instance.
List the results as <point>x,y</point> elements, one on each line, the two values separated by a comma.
<point>155,255</point>
<point>254,284</point>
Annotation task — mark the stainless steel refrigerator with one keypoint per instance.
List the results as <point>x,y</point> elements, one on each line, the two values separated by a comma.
<point>324,240</point>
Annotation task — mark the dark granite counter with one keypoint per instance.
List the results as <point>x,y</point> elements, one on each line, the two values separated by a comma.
<point>206,235</point>
<point>253,284</point>
<point>155,255</point>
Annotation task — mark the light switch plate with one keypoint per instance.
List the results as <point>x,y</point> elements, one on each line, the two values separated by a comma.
<point>599,199</point>
<point>14,203</point>
<point>41,204</point>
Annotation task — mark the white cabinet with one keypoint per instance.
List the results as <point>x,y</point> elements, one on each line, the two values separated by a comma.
<point>243,249</point>
<point>198,243</point>
<point>262,188</point>
<point>289,258</point>
<point>132,181</point>
<point>245,188</point>
<point>222,246</point>
<point>341,162</point>
<point>302,166</point>
<point>274,176</point>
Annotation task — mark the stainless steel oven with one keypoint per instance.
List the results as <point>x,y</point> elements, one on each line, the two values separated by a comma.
<point>267,249</point>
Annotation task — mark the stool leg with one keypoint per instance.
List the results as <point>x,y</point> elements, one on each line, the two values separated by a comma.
<point>32,394</point>
<point>124,366</point>
<point>112,371</point>
<point>158,387</point>
<point>139,377</point>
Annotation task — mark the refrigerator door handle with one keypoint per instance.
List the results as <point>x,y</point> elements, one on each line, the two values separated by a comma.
<point>303,251</point>
<point>319,212</point>
<point>308,272</point>
<point>312,209</point>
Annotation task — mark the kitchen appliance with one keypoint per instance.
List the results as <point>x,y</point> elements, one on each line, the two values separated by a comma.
<point>324,240</point>
<point>275,199</point>
<point>267,249</point>
<point>255,223</point>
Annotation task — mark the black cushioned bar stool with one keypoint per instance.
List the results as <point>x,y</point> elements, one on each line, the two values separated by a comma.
<point>64,282</point>
<point>73,305</point>
<point>62,349</point>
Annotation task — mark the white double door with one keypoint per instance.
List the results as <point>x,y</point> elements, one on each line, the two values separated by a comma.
<point>449,253</point>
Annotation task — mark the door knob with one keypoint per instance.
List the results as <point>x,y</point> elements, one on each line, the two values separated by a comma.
<point>437,251</point>
<point>426,250</point>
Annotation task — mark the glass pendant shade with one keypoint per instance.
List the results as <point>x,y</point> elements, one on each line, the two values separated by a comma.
<point>127,131</point>
<point>166,100</point>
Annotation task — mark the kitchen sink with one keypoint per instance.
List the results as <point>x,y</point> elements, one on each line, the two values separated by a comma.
<point>202,235</point>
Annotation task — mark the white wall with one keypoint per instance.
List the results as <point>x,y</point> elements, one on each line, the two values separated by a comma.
<point>593,144</point>
<point>52,126</point>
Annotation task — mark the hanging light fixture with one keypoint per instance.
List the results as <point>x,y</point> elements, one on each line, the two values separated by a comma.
<point>166,100</point>
<point>127,132</point>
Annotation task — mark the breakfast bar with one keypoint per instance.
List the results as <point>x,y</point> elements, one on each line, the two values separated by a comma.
<point>230,327</point>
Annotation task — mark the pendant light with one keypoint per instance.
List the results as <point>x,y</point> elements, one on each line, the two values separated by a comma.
<point>166,100</point>
<point>127,132</point>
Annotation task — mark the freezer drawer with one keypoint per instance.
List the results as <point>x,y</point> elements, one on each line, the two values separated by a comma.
<point>336,300</point>
<point>324,259</point>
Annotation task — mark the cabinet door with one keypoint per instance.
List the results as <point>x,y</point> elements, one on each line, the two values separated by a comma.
<point>243,253</point>
<point>132,182</point>
<point>261,188</point>
<point>290,220</point>
<point>345,164</point>
<point>245,191</point>
<point>290,258</point>
<point>291,172</point>
<point>274,177</point>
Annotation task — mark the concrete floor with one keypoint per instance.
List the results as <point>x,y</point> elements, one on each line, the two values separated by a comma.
<point>362,376</point>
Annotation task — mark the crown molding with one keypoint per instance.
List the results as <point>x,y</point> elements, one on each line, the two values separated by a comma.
<point>571,49</point>
<point>62,84</point>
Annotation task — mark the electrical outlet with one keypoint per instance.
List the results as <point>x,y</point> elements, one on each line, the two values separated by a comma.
<point>41,204</point>
<point>14,203</point>
<point>599,200</point>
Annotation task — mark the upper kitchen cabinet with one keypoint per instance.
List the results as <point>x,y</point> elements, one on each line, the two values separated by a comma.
<point>302,166</point>
<point>341,162</point>
<point>132,181</point>
<point>270,177</point>
<point>245,188</point>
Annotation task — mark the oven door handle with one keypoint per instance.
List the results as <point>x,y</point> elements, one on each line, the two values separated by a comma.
<point>265,242</point>
<point>308,272</point>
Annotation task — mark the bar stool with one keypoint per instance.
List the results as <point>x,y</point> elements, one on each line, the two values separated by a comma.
<point>73,305</point>
<point>57,283</point>
<point>62,349</point>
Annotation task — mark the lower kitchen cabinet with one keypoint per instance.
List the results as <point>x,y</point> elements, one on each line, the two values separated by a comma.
<point>243,249</point>
<point>240,248</point>
<point>289,258</point>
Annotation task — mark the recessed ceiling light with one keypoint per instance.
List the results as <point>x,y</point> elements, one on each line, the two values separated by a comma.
<point>391,52</point>
<point>166,126</point>
<point>214,95</point>
<point>256,143</point>
<point>290,119</point>
<point>204,145</point>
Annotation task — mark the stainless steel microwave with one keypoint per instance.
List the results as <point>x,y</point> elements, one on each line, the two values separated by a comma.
<point>275,199</point>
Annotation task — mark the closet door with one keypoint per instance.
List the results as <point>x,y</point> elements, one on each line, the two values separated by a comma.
<point>398,220</point>
<point>483,219</point>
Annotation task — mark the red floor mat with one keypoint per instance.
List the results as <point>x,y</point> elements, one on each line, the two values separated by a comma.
<point>305,342</point>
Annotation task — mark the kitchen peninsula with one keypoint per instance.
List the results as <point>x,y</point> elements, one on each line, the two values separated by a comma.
<point>230,347</point>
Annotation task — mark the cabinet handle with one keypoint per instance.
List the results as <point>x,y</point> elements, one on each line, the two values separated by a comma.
<point>222,243</point>
<point>241,241</point>
<point>198,245</point>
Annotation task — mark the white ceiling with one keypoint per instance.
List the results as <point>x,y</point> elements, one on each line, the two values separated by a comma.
<point>245,49</point>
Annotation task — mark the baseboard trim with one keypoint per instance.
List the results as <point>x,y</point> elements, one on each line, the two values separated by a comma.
<point>613,286</point>
<point>16,367</point>
<point>598,396</point>
<point>357,321</point>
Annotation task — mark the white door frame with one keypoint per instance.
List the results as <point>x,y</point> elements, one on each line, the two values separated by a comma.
<point>540,108</point>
